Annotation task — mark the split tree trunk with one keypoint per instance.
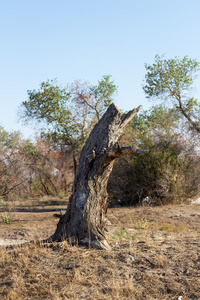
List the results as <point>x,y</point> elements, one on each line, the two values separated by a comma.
<point>84,220</point>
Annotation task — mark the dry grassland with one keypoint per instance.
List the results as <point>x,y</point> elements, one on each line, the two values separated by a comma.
<point>155,255</point>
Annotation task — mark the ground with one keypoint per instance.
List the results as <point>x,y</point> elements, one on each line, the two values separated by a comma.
<point>155,254</point>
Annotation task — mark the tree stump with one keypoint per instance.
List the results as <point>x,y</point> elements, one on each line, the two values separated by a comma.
<point>83,221</point>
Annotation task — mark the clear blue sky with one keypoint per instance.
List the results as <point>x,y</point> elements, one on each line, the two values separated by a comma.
<point>86,39</point>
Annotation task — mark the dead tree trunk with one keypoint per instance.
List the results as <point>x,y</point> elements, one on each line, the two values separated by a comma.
<point>84,220</point>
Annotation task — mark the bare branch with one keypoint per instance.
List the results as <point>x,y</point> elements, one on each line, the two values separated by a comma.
<point>128,150</point>
<point>127,117</point>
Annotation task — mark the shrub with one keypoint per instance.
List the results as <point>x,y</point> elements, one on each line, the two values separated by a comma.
<point>169,173</point>
<point>6,218</point>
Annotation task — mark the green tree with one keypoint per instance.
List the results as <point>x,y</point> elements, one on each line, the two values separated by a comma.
<point>102,95</point>
<point>68,113</point>
<point>60,108</point>
<point>49,106</point>
<point>172,80</point>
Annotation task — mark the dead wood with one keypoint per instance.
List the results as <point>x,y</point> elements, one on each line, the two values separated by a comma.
<point>83,221</point>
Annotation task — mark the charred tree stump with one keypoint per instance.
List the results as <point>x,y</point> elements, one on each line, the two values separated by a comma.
<point>83,221</point>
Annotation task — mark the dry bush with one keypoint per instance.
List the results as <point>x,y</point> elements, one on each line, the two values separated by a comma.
<point>50,168</point>
<point>28,169</point>
<point>13,171</point>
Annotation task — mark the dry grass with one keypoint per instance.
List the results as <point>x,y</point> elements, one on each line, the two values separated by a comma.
<point>144,263</point>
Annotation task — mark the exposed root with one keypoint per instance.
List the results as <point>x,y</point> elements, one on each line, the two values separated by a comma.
<point>98,244</point>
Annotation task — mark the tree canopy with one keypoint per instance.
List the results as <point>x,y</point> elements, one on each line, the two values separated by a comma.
<point>68,112</point>
<point>172,80</point>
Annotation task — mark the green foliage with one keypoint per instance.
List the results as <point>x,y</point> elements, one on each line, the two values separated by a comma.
<point>164,228</point>
<point>49,105</point>
<point>172,79</point>
<point>6,218</point>
<point>8,139</point>
<point>103,94</point>
<point>68,115</point>
<point>169,173</point>
<point>3,135</point>
<point>60,109</point>
<point>153,220</point>
<point>157,118</point>
<point>29,148</point>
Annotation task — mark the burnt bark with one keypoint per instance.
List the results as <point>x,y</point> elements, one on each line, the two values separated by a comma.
<point>83,221</point>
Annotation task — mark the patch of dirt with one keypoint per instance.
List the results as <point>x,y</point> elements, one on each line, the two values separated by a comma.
<point>9,242</point>
<point>30,219</point>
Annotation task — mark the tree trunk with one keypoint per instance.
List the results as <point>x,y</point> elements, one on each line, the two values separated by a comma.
<point>83,221</point>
